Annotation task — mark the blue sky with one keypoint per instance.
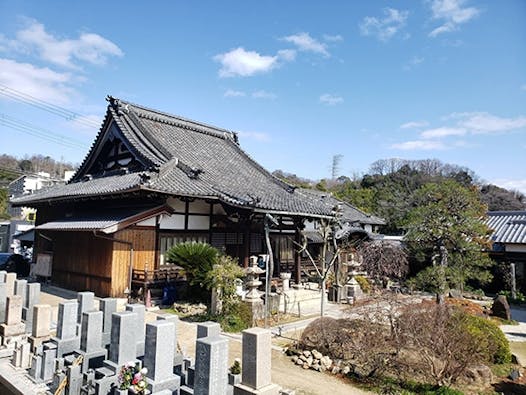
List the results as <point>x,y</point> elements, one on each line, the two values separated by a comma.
<point>300,81</point>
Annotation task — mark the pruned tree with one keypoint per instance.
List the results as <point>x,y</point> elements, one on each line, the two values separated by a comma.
<point>445,229</point>
<point>383,259</point>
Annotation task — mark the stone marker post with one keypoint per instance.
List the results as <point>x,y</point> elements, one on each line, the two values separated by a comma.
<point>32,298</point>
<point>108,306</point>
<point>256,363</point>
<point>13,329</point>
<point>91,340</point>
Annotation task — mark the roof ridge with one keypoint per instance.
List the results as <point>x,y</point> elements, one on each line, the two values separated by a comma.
<point>177,120</point>
<point>278,181</point>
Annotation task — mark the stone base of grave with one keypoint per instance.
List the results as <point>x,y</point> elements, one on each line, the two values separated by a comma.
<point>21,356</point>
<point>92,360</point>
<point>172,384</point>
<point>184,390</point>
<point>12,330</point>
<point>105,379</point>
<point>66,346</point>
<point>7,352</point>
<point>112,366</point>
<point>37,341</point>
<point>271,389</point>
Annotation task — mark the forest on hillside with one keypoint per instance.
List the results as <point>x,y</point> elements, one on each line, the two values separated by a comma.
<point>388,188</point>
<point>12,167</point>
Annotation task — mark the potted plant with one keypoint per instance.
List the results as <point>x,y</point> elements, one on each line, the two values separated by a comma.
<point>234,374</point>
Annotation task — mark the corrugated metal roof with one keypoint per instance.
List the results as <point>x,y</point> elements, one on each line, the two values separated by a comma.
<point>507,226</point>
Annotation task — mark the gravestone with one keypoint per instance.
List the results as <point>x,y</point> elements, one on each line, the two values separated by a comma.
<point>91,340</point>
<point>108,306</point>
<point>208,328</point>
<point>139,328</point>
<point>20,289</point>
<point>178,357</point>
<point>256,362</point>
<point>211,363</point>
<point>2,276</point>
<point>3,300</point>
<point>40,329</point>
<point>67,339</point>
<point>123,337</point>
<point>10,279</point>
<point>85,303</point>
<point>13,329</point>
<point>32,298</point>
<point>48,361</point>
<point>159,356</point>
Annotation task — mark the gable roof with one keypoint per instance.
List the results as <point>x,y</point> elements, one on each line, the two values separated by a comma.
<point>507,226</point>
<point>180,157</point>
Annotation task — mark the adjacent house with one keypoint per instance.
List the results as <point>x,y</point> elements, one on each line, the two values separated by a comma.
<point>151,180</point>
<point>26,185</point>
<point>509,241</point>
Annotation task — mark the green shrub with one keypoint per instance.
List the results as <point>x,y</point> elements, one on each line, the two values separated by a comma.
<point>197,259</point>
<point>489,334</point>
<point>519,297</point>
<point>365,285</point>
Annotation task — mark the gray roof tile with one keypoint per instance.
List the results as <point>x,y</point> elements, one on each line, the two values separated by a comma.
<point>507,226</point>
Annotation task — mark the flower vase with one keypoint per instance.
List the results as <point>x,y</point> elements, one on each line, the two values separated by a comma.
<point>234,379</point>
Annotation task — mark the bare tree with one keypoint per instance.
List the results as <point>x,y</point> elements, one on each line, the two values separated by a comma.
<point>384,259</point>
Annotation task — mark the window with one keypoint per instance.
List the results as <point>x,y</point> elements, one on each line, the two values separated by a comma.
<point>168,241</point>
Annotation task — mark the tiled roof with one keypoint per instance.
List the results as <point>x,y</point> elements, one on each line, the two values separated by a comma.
<point>507,226</point>
<point>185,158</point>
<point>106,221</point>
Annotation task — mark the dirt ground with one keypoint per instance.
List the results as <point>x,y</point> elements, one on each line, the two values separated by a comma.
<point>284,372</point>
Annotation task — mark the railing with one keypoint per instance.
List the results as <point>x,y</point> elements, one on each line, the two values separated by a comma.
<point>146,279</point>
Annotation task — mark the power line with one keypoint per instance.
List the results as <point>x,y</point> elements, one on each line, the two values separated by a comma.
<point>46,106</point>
<point>42,133</point>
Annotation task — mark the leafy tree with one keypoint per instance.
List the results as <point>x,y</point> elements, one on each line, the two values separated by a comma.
<point>3,204</point>
<point>383,260</point>
<point>445,229</point>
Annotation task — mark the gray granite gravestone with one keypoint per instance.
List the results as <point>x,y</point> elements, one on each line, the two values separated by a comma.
<point>139,328</point>
<point>20,289</point>
<point>10,279</point>
<point>86,303</point>
<point>208,328</point>
<point>13,329</point>
<point>32,298</point>
<point>2,276</point>
<point>211,363</point>
<point>90,340</point>
<point>123,337</point>
<point>159,356</point>
<point>67,340</point>
<point>3,300</point>
<point>40,331</point>
<point>108,306</point>
<point>178,356</point>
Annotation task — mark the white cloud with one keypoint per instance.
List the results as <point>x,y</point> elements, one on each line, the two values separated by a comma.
<point>239,62</point>
<point>483,122</point>
<point>42,83</point>
<point>384,28</point>
<point>425,145</point>
<point>258,136</point>
<point>288,55</point>
<point>515,185</point>
<point>330,100</point>
<point>304,42</point>
<point>234,93</point>
<point>89,47</point>
<point>415,61</point>
<point>442,132</point>
<point>332,38</point>
<point>414,125</point>
<point>452,13</point>
<point>263,95</point>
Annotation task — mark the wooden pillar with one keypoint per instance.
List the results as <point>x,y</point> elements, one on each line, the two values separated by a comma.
<point>297,255</point>
<point>246,244</point>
